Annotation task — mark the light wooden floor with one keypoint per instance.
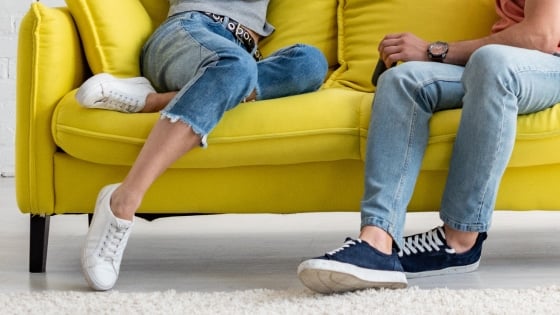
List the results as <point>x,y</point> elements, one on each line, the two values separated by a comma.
<point>241,252</point>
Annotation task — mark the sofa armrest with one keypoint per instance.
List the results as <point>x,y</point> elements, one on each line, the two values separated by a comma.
<point>50,64</point>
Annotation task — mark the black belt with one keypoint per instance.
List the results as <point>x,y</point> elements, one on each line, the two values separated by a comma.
<point>240,32</point>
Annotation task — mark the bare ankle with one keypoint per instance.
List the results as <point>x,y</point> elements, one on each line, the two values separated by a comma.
<point>460,241</point>
<point>157,101</point>
<point>377,238</point>
<point>123,207</point>
<point>252,97</point>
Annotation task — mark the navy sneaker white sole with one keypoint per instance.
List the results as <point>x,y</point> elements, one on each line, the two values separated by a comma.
<point>330,276</point>
<point>445,271</point>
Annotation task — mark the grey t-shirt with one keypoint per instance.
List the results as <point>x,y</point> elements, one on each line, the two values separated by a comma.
<point>250,13</point>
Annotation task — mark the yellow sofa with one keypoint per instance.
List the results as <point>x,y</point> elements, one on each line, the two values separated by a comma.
<point>296,154</point>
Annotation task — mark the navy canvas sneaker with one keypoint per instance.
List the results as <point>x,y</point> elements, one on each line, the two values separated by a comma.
<point>427,254</point>
<point>354,266</point>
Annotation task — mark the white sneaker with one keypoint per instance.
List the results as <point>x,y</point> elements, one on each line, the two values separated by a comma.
<point>104,91</point>
<point>105,243</point>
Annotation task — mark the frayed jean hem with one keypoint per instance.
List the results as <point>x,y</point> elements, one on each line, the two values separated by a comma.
<point>198,131</point>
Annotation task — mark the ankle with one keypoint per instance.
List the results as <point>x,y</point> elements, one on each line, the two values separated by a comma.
<point>157,101</point>
<point>124,205</point>
<point>460,241</point>
<point>377,238</point>
<point>151,103</point>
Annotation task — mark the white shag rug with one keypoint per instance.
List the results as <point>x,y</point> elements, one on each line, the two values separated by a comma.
<point>545,300</point>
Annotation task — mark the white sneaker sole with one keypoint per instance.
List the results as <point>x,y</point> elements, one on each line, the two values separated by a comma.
<point>441,272</point>
<point>327,276</point>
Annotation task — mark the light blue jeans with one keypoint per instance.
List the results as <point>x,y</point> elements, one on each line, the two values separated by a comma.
<point>208,65</point>
<point>497,84</point>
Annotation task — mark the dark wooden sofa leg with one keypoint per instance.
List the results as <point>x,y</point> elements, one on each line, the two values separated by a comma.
<point>38,243</point>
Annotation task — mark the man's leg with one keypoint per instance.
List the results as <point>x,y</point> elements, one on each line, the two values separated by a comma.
<point>405,100</point>
<point>501,83</point>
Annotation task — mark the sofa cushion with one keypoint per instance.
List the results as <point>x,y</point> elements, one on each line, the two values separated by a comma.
<point>293,24</point>
<point>327,125</point>
<point>113,32</point>
<point>538,132</point>
<point>363,23</point>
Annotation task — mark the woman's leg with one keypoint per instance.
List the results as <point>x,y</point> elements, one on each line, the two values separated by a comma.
<point>155,102</point>
<point>166,143</point>
<point>212,74</point>
<point>292,70</point>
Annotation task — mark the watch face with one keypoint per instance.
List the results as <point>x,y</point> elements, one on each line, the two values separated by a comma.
<point>438,49</point>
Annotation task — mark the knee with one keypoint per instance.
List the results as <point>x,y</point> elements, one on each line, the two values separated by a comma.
<point>315,60</point>
<point>310,61</point>
<point>489,55</point>
<point>242,68</point>
<point>413,80</point>
<point>489,64</point>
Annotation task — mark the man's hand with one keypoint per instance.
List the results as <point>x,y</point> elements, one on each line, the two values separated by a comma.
<point>402,47</point>
<point>540,30</point>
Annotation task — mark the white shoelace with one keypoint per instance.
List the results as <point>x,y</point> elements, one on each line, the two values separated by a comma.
<point>120,102</point>
<point>349,242</point>
<point>422,242</point>
<point>113,239</point>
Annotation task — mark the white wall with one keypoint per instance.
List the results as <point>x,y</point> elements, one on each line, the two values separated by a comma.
<point>11,13</point>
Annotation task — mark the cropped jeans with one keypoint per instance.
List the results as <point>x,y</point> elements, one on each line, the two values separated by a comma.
<point>497,84</point>
<point>212,72</point>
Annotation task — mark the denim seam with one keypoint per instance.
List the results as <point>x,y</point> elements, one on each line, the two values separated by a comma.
<point>406,166</point>
<point>499,148</point>
<point>166,112</point>
<point>499,145</point>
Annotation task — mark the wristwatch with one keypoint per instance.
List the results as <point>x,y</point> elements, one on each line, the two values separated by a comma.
<point>437,51</point>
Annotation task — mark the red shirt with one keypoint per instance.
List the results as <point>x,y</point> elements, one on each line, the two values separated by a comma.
<point>510,12</point>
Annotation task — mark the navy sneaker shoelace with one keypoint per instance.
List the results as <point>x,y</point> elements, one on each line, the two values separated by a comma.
<point>433,240</point>
<point>349,242</point>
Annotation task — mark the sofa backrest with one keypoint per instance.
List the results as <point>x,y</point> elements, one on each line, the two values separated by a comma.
<point>347,31</point>
<point>113,31</point>
<point>363,23</point>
